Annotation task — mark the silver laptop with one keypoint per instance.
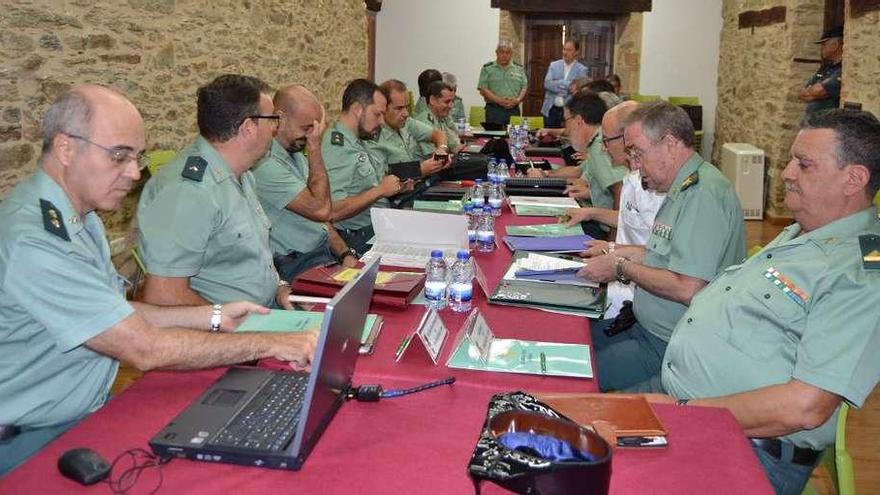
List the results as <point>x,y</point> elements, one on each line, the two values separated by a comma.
<point>265,418</point>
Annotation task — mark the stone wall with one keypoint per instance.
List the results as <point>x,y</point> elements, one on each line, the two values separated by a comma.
<point>861,60</point>
<point>157,52</point>
<point>512,27</point>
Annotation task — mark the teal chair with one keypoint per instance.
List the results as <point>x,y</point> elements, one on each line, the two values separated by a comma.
<point>158,159</point>
<point>837,460</point>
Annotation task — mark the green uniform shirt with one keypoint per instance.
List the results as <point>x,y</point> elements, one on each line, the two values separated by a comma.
<point>396,146</point>
<point>601,174</point>
<point>420,106</point>
<point>805,307</point>
<point>506,81</point>
<point>280,178</point>
<point>446,125</point>
<point>350,171</point>
<point>698,231</point>
<point>210,228</point>
<point>58,289</point>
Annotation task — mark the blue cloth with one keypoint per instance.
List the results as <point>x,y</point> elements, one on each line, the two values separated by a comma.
<point>786,477</point>
<point>556,84</point>
<point>545,447</point>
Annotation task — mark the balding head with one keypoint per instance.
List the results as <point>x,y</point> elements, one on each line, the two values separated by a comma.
<point>72,113</point>
<point>612,131</point>
<point>299,109</point>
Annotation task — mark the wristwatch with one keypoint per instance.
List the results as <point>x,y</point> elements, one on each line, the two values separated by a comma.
<point>681,402</point>
<point>347,252</point>
<point>619,261</point>
<point>216,317</point>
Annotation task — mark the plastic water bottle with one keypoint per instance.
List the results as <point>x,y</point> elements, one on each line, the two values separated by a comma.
<point>502,170</point>
<point>495,197</point>
<point>486,231</point>
<point>492,169</point>
<point>435,281</point>
<point>478,196</point>
<point>472,224</point>
<point>461,126</point>
<point>461,285</point>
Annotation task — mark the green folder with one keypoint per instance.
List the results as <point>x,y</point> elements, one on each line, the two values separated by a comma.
<point>280,320</point>
<point>544,230</point>
<point>525,356</point>
<point>557,298</point>
<point>453,205</point>
<point>540,211</point>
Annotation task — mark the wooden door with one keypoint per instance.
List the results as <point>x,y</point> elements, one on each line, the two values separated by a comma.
<point>545,46</point>
<point>596,39</point>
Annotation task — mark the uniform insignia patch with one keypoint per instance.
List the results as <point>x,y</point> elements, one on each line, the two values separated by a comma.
<point>690,180</point>
<point>336,138</point>
<point>787,287</point>
<point>194,169</point>
<point>52,220</point>
<point>870,246</point>
<point>662,230</point>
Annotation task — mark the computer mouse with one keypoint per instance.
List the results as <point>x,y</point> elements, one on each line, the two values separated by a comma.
<point>83,465</point>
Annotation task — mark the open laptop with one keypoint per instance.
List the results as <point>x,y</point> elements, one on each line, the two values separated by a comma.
<point>266,418</point>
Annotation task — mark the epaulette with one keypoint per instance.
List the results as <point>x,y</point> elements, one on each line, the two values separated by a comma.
<point>53,222</point>
<point>514,62</point>
<point>487,64</point>
<point>337,139</point>
<point>870,246</point>
<point>195,168</point>
<point>690,180</point>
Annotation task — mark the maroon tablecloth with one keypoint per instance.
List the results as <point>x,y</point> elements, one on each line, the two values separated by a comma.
<point>416,444</point>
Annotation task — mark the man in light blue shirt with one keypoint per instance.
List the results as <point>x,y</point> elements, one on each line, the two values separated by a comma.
<point>557,83</point>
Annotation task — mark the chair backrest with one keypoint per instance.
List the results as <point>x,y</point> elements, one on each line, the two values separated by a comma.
<point>409,102</point>
<point>684,100</point>
<point>843,463</point>
<point>476,116</point>
<point>644,98</point>
<point>534,122</point>
<point>158,159</point>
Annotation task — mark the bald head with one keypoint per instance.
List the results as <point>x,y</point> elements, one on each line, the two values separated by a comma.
<point>300,111</point>
<point>612,130</point>
<point>74,111</point>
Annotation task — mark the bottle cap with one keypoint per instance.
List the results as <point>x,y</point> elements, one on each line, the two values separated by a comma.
<point>436,253</point>
<point>463,255</point>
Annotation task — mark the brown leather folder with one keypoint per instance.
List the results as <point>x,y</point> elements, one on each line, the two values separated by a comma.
<point>629,415</point>
<point>404,284</point>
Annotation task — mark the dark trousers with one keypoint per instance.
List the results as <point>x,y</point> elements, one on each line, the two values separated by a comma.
<point>292,264</point>
<point>629,360</point>
<point>357,239</point>
<point>554,118</point>
<point>18,449</point>
<point>786,477</point>
<point>496,114</point>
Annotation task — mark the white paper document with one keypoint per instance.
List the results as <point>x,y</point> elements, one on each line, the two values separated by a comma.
<point>407,237</point>
<point>543,201</point>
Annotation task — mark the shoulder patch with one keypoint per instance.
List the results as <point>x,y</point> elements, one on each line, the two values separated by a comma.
<point>337,139</point>
<point>53,222</point>
<point>487,64</point>
<point>870,246</point>
<point>690,180</point>
<point>195,168</point>
<point>514,62</point>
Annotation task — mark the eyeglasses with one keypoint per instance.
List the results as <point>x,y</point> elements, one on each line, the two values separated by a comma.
<point>635,155</point>
<point>275,119</point>
<point>119,155</point>
<point>606,140</point>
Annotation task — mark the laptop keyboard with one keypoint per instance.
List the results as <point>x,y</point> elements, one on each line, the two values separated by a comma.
<point>271,417</point>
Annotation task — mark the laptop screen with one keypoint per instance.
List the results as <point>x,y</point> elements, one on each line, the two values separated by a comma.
<point>335,358</point>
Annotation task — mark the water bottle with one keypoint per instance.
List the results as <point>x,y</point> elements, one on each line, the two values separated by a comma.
<point>495,197</point>
<point>461,285</point>
<point>525,127</point>
<point>472,224</point>
<point>461,126</point>
<point>492,169</point>
<point>486,231</point>
<point>435,281</point>
<point>501,173</point>
<point>478,197</point>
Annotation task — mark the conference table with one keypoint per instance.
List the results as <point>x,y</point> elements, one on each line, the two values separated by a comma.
<point>419,443</point>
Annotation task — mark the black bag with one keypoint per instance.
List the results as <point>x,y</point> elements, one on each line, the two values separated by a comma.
<point>498,149</point>
<point>521,471</point>
<point>466,166</point>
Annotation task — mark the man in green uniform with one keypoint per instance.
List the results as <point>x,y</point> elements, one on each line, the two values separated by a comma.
<point>294,190</point>
<point>400,136</point>
<point>440,99</point>
<point>458,114</point>
<point>426,78</point>
<point>697,232</point>
<point>503,84</point>
<point>783,338</point>
<point>64,320</point>
<point>354,183</point>
<point>202,232</point>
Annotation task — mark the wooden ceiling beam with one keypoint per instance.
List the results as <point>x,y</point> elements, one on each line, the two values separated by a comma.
<point>573,6</point>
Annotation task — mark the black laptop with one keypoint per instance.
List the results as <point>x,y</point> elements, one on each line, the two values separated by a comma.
<point>273,419</point>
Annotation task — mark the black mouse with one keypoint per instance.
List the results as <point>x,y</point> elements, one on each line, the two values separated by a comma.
<point>83,465</point>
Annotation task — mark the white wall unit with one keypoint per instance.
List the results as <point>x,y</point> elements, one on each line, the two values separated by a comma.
<point>743,165</point>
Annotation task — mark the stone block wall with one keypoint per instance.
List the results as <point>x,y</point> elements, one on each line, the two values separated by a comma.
<point>512,26</point>
<point>861,60</point>
<point>157,52</point>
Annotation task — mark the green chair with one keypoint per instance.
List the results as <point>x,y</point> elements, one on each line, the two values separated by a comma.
<point>534,122</point>
<point>139,275</point>
<point>644,98</point>
<point>837,460</point>
<point>158,159</point>
<point>877,199</point>
<point>410,102</point>
<point>477,116</point>
<point>684,100</point>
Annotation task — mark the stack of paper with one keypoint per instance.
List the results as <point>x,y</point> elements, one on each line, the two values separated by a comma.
<point>544,230</point>
<point>566,244</point>
<point>453,205</point>
<point>547,269</point>
<point>538,206</point>
<point>406,237</point>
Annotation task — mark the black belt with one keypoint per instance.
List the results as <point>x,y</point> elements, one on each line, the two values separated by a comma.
<point>8,431</point>
<point>800,455</point>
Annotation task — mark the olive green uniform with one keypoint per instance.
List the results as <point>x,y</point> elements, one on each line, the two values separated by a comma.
<point>58,290</point>
<point>505,81</point>
<point>803,308</point>
<point>397,146</point>
<point>601,174</point>
<point>197,220</point>
<point>445,124</point>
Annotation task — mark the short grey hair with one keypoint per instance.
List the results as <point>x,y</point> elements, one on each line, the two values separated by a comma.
<point>450,79</point>
<point>659,118</point>
<point>71,113</point>
<point>611,100</point>
<point>504,44</point>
